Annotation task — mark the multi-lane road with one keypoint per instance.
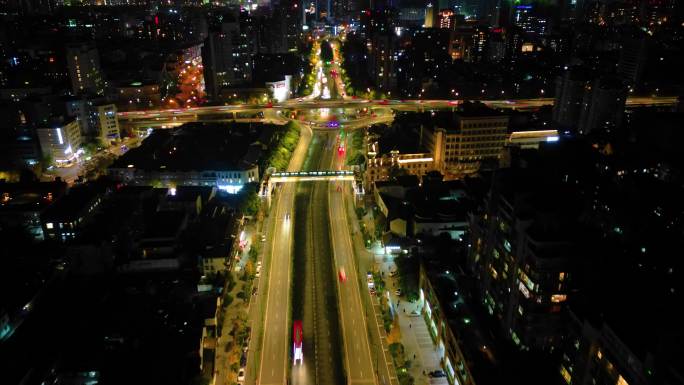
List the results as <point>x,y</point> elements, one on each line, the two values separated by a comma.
<point>359,362</point>
<point>274,345</point>
<point>337,343</point>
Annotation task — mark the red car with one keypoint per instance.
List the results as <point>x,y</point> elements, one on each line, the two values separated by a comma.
<point>343,275</point>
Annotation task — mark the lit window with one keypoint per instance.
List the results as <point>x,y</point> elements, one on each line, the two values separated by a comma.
<point>557,298</point>
<point>565,374</point>
<point>599,355</point>
<point>561,276</point>
<point>49,226</point>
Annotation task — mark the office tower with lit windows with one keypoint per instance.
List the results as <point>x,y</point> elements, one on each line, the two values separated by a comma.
<point>447,19</point>
<point>467,141</point>
<point>83,62</point>
<point>225,56</point>
<point>523,248</point>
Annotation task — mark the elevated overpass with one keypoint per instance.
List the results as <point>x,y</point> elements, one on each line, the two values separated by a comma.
<point>170,117</point>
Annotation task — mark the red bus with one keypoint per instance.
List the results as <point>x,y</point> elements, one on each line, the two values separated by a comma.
<point>297,338</point>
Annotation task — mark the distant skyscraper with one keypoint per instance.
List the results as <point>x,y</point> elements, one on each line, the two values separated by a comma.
<point>429,16</point>
<point>83,62</point>
<point>603,106</point>
<point>632,60</point>
<point>225,55</point>
<point>569,96</point>
<point>447,19</point>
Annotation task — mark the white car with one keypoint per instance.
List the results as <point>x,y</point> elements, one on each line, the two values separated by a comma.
<point>241,376</point>
<point>258,274</point>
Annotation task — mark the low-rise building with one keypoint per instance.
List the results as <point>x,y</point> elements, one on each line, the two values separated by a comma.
<point>21,204</point>
<point>63,220</point>
<point>444,338</point>
<point>192,155</point>
<point>393,148</point>
<point>434,208</point>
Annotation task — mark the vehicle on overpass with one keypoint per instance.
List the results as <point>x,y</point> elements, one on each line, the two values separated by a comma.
<point>297,339</point>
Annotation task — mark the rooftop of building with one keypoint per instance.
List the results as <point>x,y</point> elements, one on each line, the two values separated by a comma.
<point>640,315</point>
<point>405,181</point>
<point>451,119</point>
<point>30,195</point>
<point>164,224</point>
<point>69,206</point>
<point>32,187</point>
<point>57,121</point>
<point>193,147</point>
<point>190,193</point>
<point>399,136</point>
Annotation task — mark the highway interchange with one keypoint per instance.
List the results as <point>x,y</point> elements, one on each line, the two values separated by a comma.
<point>304,252</point>
<point>311,270</point>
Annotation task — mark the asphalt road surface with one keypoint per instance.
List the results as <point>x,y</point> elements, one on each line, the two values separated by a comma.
<point>273,362</point>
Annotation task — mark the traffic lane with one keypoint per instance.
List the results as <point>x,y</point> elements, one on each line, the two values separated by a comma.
<point>275,341</point>
<point>274,352</point>
<point>355,327</point>
<point>358,353</point>
<point>284,200</point>
<point>381,356</point>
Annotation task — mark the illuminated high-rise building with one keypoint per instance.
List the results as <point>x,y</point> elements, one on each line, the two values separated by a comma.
<point>83,62</point>
<point>429,16</point>
<point>447,19</point>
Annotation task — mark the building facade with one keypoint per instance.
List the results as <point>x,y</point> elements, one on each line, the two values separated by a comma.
<point>60,142</point>
<point>106,125</point>
<point>453,361</point>
<point>227,180</point>
<point>523,251</point>
<point>474,141</point>
<point>226,58</point>
<point>83,62</point>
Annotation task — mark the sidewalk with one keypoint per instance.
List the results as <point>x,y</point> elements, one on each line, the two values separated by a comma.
<point>237,312</point>
<point>414,334</point>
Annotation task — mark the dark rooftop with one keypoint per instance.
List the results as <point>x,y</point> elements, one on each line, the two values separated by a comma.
<point>193,147</point>
<point>70,205</point>
<point>164,224</point>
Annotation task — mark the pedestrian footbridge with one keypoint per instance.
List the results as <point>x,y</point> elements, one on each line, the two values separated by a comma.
<point>303,176</point>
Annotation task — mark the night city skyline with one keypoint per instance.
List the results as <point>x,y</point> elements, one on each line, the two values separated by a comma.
<point>387,192</point>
